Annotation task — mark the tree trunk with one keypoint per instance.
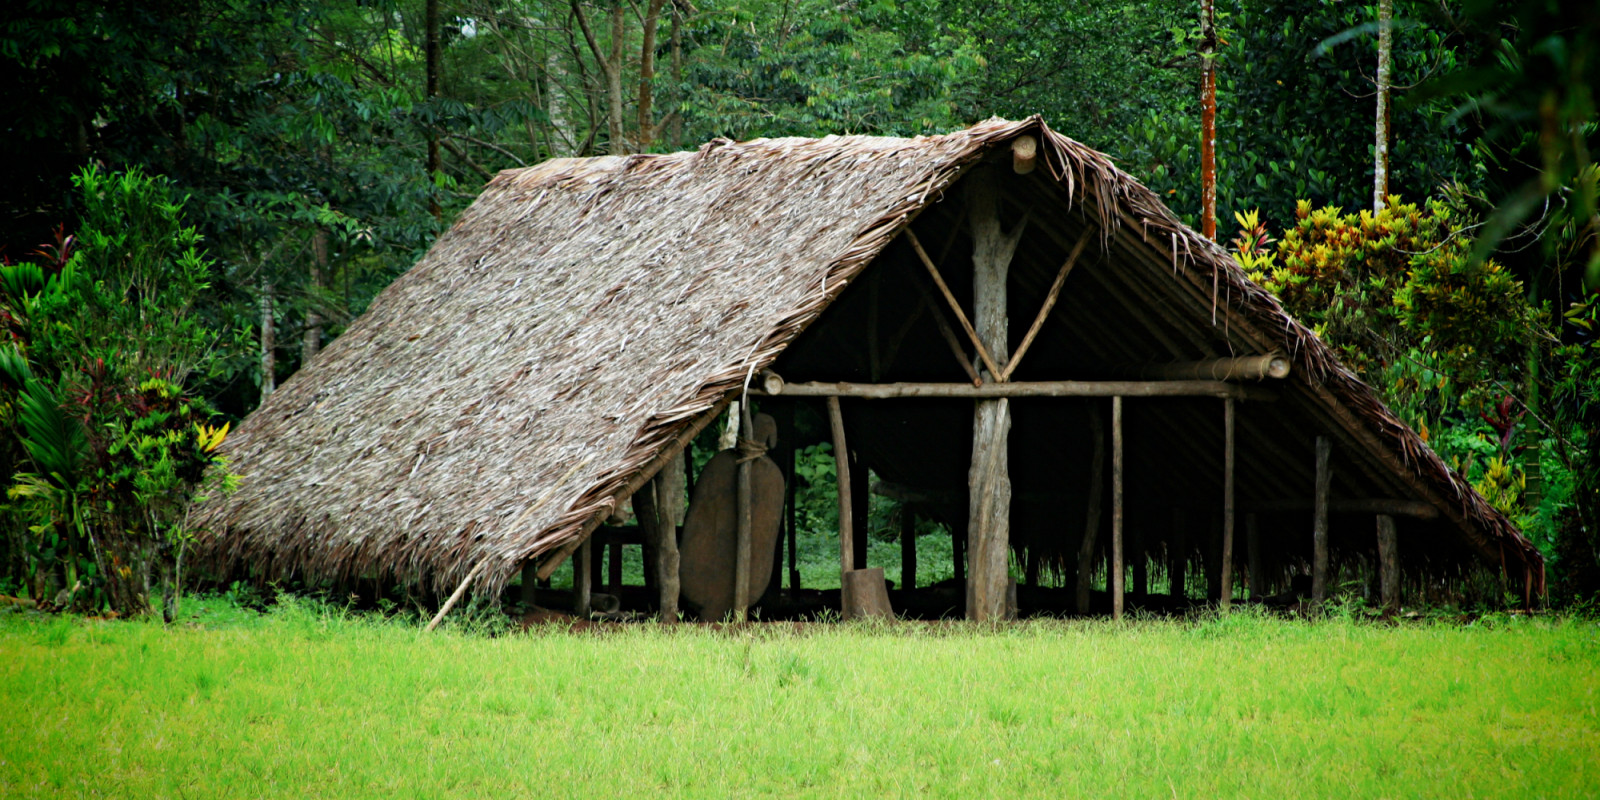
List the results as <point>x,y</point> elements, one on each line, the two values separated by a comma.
<point>1380,150</point>
<point>989,478</point>
<point>269,361</point>
<point>647,75</point>
<point>1208,119</point>
<point>675,126</point>
<point>430,14</point>
<point>311,342</point>
<point>614,116</point>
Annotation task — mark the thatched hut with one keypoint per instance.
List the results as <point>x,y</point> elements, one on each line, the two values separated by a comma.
<point>586,318</point>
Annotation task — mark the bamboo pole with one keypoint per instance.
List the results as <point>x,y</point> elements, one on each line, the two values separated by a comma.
<point>1319,523</point>
<point>841,462</point>
<point>1227,504</point>
<point>1116,508</point>
<point>1238,368</point>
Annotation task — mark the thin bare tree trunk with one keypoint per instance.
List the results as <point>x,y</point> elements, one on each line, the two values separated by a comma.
<point>311,341</point>
<point>1208,119</point>
<point>614,116</point>
<point>647,75</point>
<point>431,57</point>
<point>268,356</point>
<point>1380,150</point>
<point>675,126</point>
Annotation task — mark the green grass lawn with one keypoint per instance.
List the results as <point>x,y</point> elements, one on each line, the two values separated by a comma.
<point>307,702</point>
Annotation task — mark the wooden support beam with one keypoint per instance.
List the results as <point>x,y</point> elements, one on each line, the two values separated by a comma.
<point>1258,578</point>
<point>860,508</point>
<point>1239,368</point>
<point>1024,152</point>
<point>530,585</point>
<point>989,478</point>
<point>582,586</point>
<point>786,443</point>
<point>950,298</point>
<point>1227,504</point>
<point>1388,564</point>
<point>1319,523</point>
<point>841,463</point>
<point>1091,523</point>
<point>908,547</point>
<point>1393,507</point>
<point>1044,311</point>
<point>744,525</point>
<point>1116,508</point>
<point>655,507</point>
<point>887,391</point>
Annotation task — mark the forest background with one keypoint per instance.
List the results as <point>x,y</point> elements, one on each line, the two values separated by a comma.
<point>201,195</point>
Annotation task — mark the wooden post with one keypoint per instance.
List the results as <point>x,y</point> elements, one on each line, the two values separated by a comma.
<point>654,505</point>
<point>1178,556</point>
<point>1388,564</point>
<point>614,566</point>
<point>860,508</point>
<point>530,585</point>
<point>786,413</point>
<point>741,563</point>
<point>1091,523</point>
<point>1116,508</point>
<point>1227,503</point>
<point>958,553</point>
<point>581,579</point>
<point>989,479</point>
<point>1319,523</point>
<point>1258,578</point>
<point>841,462</point>
<point>908,547</point>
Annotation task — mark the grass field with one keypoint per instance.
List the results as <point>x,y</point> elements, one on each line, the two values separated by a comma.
<point>308,702</point>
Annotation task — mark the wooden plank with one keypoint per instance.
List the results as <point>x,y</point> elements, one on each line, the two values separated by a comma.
<point>744,524</point>
<point>1044,311</point>
<point>841,462</point>
<point>908,547</point>
<point>1227,503</point>
<point>888,391</point>
<point>1319,523</point>
<point>1388,564</point>
<point>1091,523</point>
<point>1116,508</point>
<point>950,298</point>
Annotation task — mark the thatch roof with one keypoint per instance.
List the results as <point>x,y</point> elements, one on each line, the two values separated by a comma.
<point>585,317</point>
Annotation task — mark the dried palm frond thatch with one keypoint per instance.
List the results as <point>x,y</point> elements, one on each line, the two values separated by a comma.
<point>585,317</point>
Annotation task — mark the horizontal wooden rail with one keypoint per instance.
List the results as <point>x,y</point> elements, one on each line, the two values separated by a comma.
<point>886,391</point>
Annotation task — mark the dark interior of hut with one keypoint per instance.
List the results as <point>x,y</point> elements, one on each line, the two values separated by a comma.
<point>1120,309</point>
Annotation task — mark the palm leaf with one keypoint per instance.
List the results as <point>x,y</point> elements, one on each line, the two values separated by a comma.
<point>54,440</point>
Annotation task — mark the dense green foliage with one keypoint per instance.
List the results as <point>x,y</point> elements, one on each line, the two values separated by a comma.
<point>310,701</point>
<point>318,165</point>
<point>104,446</point>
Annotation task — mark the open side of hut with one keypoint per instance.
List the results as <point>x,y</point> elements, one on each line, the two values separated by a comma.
<point>1016,337</point>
